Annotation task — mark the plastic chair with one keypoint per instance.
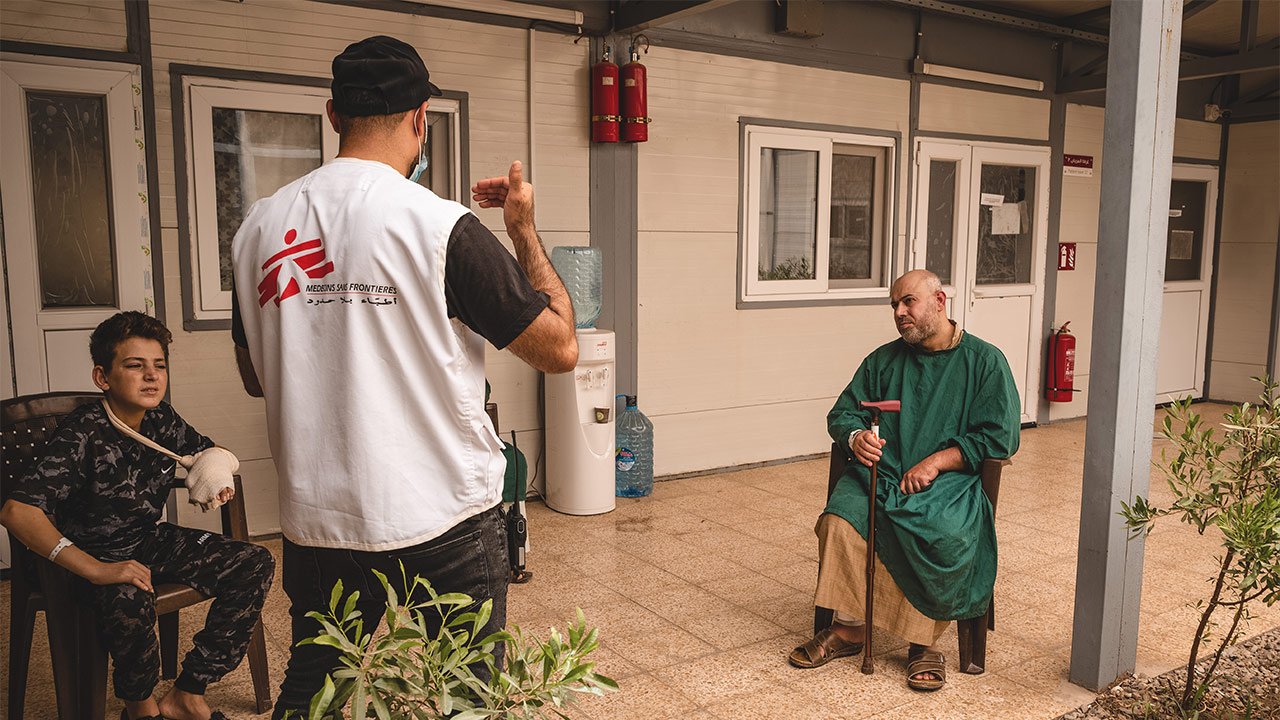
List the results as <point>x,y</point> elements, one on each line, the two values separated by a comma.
<point>79,660</point>
<point>971,632</point>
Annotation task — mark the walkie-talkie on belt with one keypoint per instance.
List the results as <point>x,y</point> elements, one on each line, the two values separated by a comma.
<point>517,527</point>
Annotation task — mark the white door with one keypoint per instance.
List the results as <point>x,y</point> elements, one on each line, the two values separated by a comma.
<point>981,223</point>
<point>75,221</point>
<point>1188,267</point>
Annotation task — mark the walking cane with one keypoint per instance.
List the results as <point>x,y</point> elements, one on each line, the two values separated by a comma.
<point>868,667</point>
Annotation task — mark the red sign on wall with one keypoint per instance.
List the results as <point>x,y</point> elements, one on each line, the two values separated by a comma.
<point>1066,256</point>
<point>1077,165</point>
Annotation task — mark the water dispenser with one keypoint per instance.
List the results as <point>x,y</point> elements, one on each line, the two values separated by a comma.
<point>579,404</point>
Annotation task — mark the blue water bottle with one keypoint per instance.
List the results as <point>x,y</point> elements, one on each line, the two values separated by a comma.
<point>634,459</point>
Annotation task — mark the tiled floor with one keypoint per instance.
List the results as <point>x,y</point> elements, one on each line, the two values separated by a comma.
<point>701,590</point>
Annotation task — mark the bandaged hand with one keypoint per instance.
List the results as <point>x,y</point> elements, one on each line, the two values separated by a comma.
<point>211,477</point>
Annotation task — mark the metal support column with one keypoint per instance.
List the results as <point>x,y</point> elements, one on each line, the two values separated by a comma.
<point>1142,80</point>
<point>613,217</point>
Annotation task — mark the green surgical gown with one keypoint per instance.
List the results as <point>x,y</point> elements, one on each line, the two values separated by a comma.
<point>939,544</point>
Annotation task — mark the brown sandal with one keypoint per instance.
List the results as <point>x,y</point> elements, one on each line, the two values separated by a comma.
<point>822,649</point>
<point>922,661</point>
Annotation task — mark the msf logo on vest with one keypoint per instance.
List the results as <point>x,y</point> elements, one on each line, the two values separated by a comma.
<point>308,256</point>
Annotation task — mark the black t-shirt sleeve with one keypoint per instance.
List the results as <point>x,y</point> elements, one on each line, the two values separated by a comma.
<point>237,325</point>
<point>485,287</point>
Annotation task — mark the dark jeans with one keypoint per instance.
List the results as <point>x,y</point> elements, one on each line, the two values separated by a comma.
<point>235,574</point>
<point>470,558</point>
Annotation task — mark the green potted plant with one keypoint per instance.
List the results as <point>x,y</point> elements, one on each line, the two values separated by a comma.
<point>1229,484</point>
<point>412,672</point>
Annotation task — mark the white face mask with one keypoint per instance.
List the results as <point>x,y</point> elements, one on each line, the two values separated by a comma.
<point>421,167</point>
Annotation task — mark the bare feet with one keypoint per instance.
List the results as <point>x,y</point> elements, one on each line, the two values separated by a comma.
<point>144,708</point>
<point>179,705</point>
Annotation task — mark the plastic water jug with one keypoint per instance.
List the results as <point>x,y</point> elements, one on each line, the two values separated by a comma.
<point>581,270</point>
<point>634,459</point>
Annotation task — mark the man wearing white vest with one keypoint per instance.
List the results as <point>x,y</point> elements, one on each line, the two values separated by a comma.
<point>362,305</point>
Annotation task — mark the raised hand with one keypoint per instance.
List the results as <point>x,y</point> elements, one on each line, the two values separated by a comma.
<point>512,194</point>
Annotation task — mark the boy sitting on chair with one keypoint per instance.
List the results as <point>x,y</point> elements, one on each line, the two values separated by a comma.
<point>103,480</point>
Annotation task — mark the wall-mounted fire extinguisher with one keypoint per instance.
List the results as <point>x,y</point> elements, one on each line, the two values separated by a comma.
<point>604,99</point>
<point>635,95</point>
<point>1061,368</point>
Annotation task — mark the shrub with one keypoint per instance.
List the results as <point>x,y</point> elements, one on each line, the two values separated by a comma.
<point>1232,485</point>
<point>412,672</point>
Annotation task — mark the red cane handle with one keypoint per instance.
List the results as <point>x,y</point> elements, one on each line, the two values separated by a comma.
<point>883,405</point>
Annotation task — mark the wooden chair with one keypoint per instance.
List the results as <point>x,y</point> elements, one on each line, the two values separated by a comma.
<point>79,660</point>
<point>971,632</point>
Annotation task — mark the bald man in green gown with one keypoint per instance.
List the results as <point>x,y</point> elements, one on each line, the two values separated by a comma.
<point>935,531</point>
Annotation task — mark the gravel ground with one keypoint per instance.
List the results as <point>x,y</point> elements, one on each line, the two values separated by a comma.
<point>1246,686</point>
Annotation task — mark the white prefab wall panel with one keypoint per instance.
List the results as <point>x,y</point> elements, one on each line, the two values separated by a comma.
<point>97,24</point>
<point>975,112</point>
<point>1196,139</point>
<point>689,168</point>
<point>562,136</point>
<point>301,38</point>
<point>1079,224</point>
<point>726,386</point>
<point>1246,261</point>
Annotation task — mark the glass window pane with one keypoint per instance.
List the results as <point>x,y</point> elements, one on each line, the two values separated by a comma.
<point>940,243</point>
<point>256,153</point>
<point>1186,230</point>
<point>788,214</point>
<point>439,175</point>
<point>71,190</point>
<point>1006,224</point>
<point>853,180</point>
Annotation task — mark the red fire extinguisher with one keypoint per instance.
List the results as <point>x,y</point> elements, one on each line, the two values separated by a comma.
<point>1062,366</point>
<point>604,99</point>
<point>635,96</point>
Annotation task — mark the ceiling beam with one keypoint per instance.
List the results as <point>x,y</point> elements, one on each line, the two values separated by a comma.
<point>1248,62</point>
<point>1248,25</point>
<point>1251,112</point>
<point>1080,21</point>
<point>1003,17</point>
<point>1025,21</point>
<point>1089,67</point>
<point>1195,7</point>
<point>1271,88</point>
<point>634,16</point>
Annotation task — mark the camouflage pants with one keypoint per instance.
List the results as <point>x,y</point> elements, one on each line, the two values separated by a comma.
<point>236,574</point>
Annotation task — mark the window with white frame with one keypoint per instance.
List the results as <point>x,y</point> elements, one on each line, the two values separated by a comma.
<point>817,214</point>
<point>248,139</point>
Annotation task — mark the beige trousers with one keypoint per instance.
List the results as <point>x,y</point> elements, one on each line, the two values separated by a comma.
<point>842,585</point>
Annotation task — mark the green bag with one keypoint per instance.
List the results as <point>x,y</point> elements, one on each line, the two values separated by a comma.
<point>513,482</point>
<point>517,475</point>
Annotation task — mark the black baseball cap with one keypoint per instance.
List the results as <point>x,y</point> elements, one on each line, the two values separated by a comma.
<point>380,76</point>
